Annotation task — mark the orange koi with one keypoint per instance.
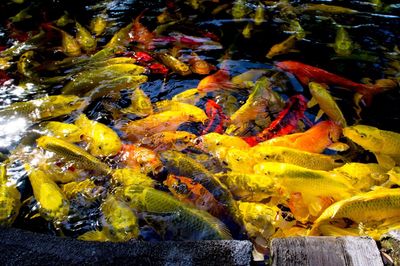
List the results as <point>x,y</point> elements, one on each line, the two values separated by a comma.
<point>216,118</point>
<point>143,159</point>
<point>141,34</point>
<point>187,190</point>
<point>306,73</point>
<point>316,139</point>
<point>199,66</point>
<point>217,81</point>
<point>285,123</point>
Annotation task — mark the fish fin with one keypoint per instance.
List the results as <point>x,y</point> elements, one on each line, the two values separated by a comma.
<point>37,215</point>
<point>312,102</point>
<point>385,161</point>
<point>331,230</point>
<point>319,115</point>
<point>94,236</point>
<point>338,146</point>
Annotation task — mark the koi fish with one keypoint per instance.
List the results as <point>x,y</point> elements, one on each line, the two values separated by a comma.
<point>85,39</point>
<point>285,123</point>
<point>146,160</point>
<point>384,144</point>
<point>306,73</point>
<point>187,190</point>
<point>199,66</point>
<point>326,102</point>
<point>217,81</point>
<point>176,140</point>
<point>141,34</point>
<point>378,205</point>
<point>316,139</point>
<point>102,140</point>
<point>284,47</point>
<point>182,220</point>
<point>54,205</point>
<point>216,118</point>
<point>174,64</point>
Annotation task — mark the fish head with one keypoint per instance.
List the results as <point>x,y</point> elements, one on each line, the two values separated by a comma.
<point>366,136</point>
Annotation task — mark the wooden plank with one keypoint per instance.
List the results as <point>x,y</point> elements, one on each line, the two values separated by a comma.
<point>390,244</point>
<point>335,251</point>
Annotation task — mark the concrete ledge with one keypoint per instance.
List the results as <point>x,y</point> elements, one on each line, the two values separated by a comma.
<point>327,251</point>
<point>19,247</point>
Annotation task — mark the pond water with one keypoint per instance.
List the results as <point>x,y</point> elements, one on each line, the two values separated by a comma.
<point>134,156</point>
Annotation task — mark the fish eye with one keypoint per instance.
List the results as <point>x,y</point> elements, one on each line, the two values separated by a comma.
<point>181,188</point>
<point>362,135</point>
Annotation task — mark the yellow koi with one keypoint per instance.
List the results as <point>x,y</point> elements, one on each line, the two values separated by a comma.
<point>54,206</point>
<point>120,222</point>
<point>164,121</point>
<point>326,103</point>
<point>287,46</point>
<point>102,140</point>
<point>184,221</point>
<point>218,145</point>
<point>384,144</point>
<point>43,108</point>
<point>71,153</point>
<point>140,104</point>
<point>64,131</point>
<point>85,39</point>
<point>378,205</point>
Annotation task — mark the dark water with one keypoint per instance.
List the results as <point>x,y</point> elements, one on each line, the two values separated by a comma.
<point>374,30</point>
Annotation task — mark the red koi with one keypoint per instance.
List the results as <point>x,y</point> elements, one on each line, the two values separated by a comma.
<point>158,68</point>
<point>141,34</point>
<point>285,123</point>
<point>216,116</point>
<point>218,80</point>
<point>306,73</point>
<point>187,190</point>
<point>142,57</point>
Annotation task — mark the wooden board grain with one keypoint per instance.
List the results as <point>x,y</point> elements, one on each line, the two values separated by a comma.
<point>335,251</point>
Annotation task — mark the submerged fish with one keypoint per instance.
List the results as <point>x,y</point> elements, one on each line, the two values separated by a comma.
<point>216,118</point>
<point>326,103</point>
<point>261,100</point>
<point>306,73</point>
<point>85,39</point>
<point>284,47</point>
<point>286,122</point>
<point>9,199</point>
<point>174,64</point>
<point>164,121</point>
<point>64,131</point>
<point>218,81</point>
